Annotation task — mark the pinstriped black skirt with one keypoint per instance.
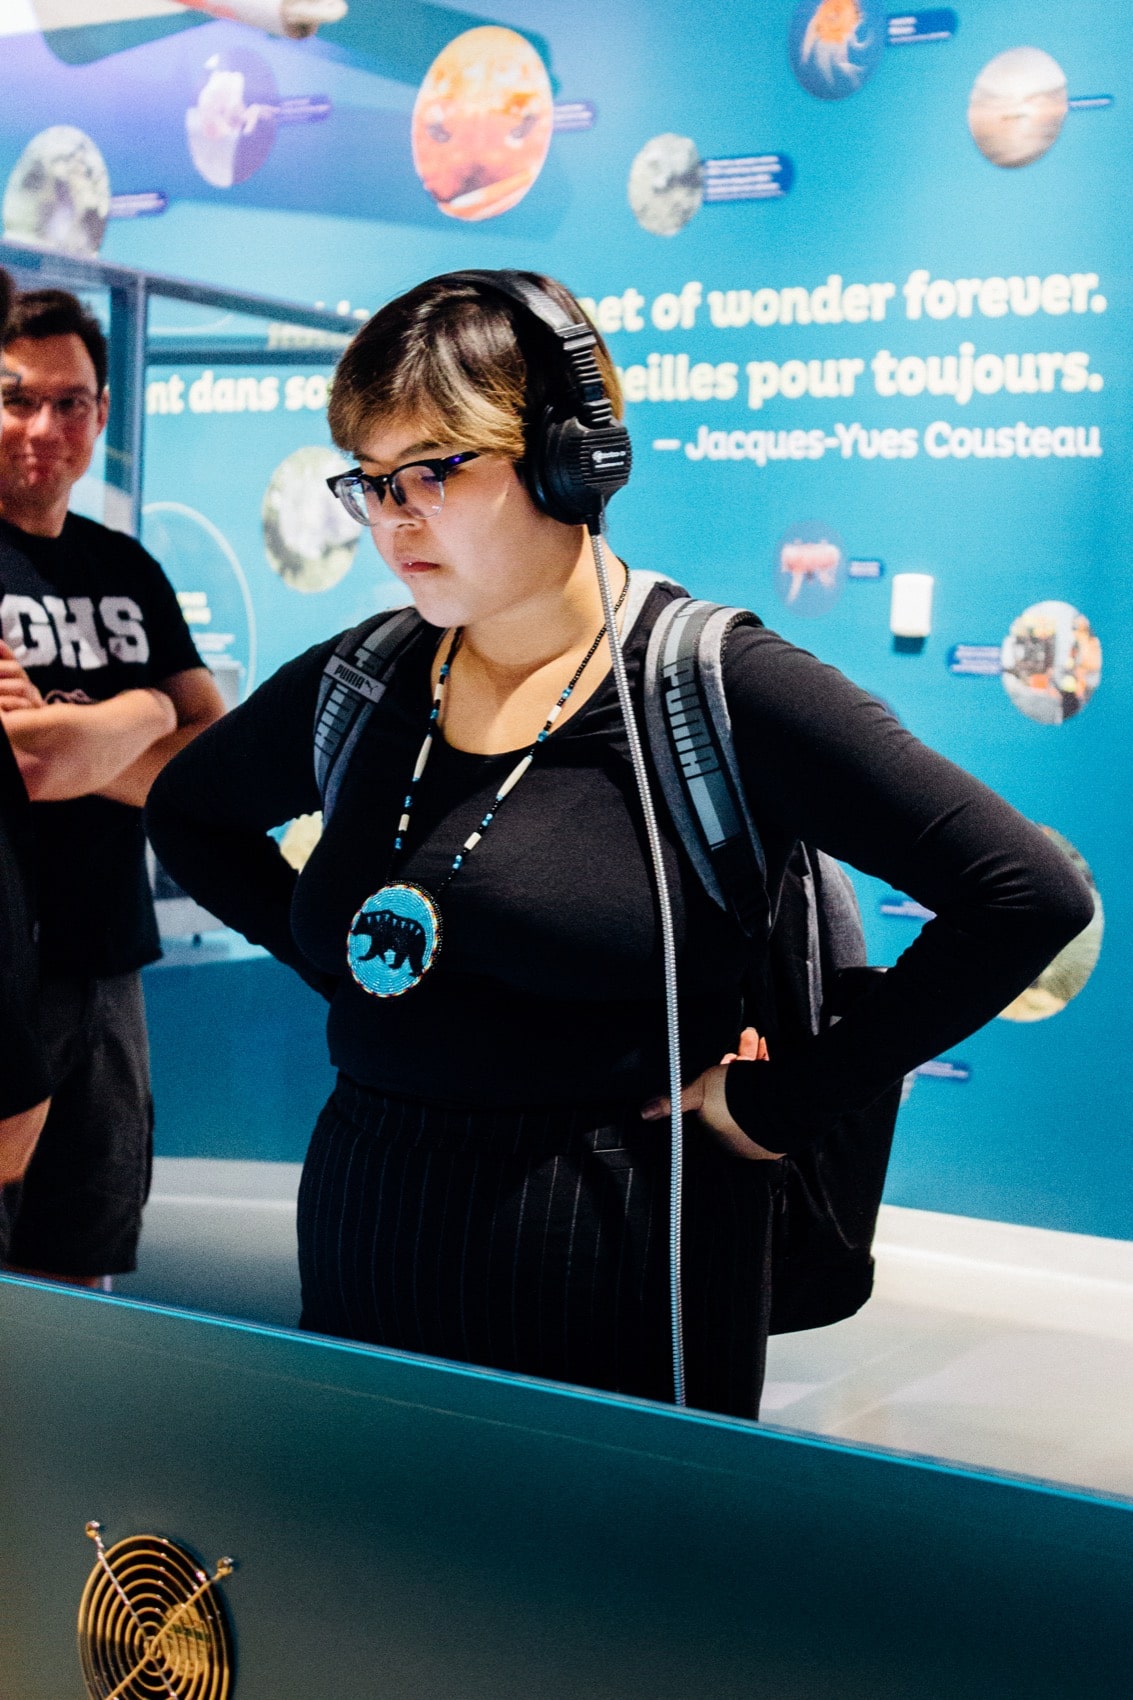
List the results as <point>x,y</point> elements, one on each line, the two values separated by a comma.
<point>535,1241</point>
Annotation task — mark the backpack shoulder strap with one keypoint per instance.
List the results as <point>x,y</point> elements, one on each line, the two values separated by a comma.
<point>689,728</point>
<point>353,683</point>
<point>642,583</point>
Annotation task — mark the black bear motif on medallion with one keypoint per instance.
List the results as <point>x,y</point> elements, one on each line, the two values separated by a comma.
<point>387,932</point>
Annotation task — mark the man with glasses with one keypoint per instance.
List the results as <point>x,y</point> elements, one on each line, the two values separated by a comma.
<point>24,1081</point>
<point>100,684</point>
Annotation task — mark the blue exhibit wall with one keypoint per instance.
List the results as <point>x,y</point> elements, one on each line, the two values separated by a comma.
<point>239,1058</point>
<point>821,398</point>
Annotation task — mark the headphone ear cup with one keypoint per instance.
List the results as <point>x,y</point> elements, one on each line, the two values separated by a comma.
<point>580,467</point>
<point>571,470</point>
<point>551,470</point>
<point>562,494</point>
<point>534,468</point>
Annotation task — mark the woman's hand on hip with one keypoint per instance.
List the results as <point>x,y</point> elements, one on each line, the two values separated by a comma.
<point>705,1097</point>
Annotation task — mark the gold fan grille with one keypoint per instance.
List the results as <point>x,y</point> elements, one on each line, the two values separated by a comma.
<point>152,1624</point>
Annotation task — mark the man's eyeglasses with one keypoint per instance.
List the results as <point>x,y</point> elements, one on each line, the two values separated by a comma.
<point>418,487</point>
<point>75,407</point>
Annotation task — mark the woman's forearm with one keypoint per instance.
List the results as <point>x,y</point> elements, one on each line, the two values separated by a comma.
<point>826,763</point>
<point>71,749</point>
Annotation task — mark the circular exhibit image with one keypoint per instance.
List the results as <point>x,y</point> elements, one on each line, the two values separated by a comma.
<point>309,538</point>
<point>835,46</point>
<point>1051,661</point>
<point>482,123</point>
<point>1063,978</point>
<point>1017,105</point>
<point>666,184</point>
<point>231,127</point>
<point>58,194</point>
<point>809,567</point>
<point>212,589</point>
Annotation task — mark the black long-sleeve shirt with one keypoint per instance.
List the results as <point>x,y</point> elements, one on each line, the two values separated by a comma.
<point>548,985</point>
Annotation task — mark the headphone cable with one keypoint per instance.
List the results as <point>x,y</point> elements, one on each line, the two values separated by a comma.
<point>669,956</point>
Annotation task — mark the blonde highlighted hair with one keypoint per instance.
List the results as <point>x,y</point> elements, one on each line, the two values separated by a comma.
<point>470,367</point>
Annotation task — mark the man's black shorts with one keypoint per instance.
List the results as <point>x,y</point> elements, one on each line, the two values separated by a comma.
<point>78,1210</point>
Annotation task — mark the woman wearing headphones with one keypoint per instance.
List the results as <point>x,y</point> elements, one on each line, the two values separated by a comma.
<point>488,1182</point>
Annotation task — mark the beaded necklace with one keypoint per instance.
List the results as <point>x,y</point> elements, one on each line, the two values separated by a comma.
<point>395,937</point>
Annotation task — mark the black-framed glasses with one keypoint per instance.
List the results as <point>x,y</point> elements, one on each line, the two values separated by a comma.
<point>73,407</point>
<point>418,487</point>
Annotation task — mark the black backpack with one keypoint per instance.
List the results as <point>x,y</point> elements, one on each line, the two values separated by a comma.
<point>808,960</point>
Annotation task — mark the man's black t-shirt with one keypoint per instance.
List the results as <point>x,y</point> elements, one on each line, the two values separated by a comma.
<point>90,614</point>
<point>23,1065</point>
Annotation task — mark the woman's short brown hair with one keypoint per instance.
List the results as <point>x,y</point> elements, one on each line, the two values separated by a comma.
<point>472,367</point>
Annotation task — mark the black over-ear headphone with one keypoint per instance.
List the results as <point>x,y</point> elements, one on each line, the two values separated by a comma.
<point>577,454</point>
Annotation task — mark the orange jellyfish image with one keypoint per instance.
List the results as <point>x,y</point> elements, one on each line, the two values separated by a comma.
<point>836,45</point>
<point>482,123</point>
<point>830,37</point>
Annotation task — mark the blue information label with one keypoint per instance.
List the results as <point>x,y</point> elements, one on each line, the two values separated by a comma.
<point>940,23</point>
<point>975,660</point>
<point>303,109</point>
<point>573,115</point>
<point>748,177</point>
<point>945,1068</point>
<point>145,204</point>
<point>865,569</point>
<point>903,908</point>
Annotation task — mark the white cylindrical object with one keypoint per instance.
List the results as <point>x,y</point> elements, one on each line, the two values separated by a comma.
<point>294,18</point>
<point>910,608</point>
